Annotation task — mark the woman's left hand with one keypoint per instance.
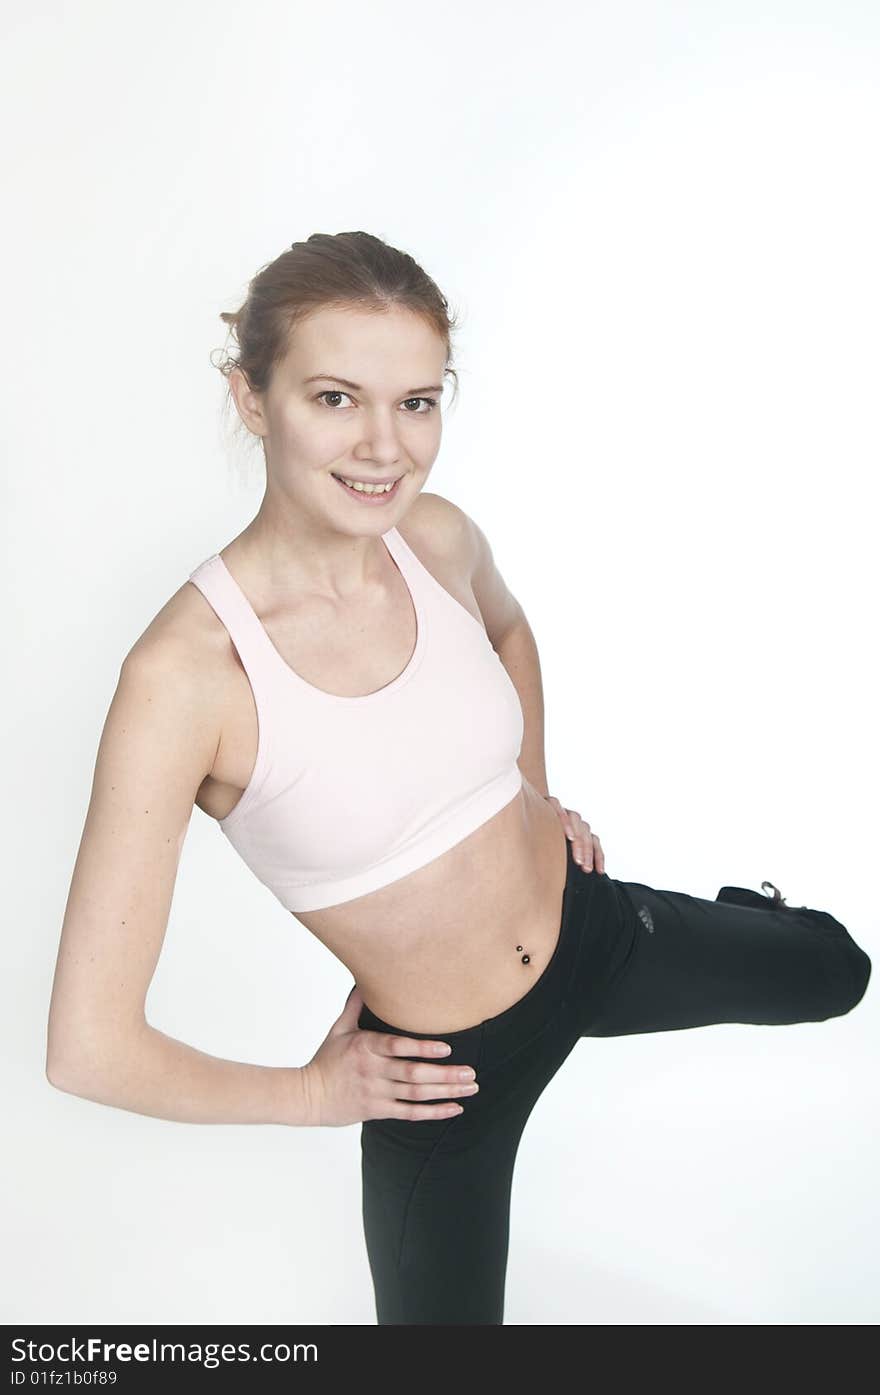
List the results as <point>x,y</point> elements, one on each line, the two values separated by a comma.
<point>586,848</point>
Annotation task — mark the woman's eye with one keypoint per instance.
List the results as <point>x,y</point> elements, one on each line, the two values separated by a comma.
<point>331,392</point>
<point>431,401</point>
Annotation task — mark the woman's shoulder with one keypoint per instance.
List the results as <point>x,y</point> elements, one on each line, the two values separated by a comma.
<point>457,551</point>
<point>186,640</point>
<point>439,531</point>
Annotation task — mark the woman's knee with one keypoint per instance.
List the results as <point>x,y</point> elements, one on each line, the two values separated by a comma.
<point>855,975</point>
<point>860,971</point>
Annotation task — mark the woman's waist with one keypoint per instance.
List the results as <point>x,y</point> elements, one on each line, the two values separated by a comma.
<point>463,938</point>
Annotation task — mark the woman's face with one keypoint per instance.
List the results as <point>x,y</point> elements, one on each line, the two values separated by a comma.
<point>358,396</point>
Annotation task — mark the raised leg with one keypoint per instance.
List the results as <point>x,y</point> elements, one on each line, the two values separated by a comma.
<point>693,962</point>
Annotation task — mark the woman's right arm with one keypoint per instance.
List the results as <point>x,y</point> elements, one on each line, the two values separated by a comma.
<point>157,747</point>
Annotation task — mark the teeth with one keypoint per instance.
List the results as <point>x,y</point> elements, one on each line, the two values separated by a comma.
<point>367,488</point>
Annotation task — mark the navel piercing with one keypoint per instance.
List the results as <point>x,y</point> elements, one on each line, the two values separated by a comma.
<point>525,957</point>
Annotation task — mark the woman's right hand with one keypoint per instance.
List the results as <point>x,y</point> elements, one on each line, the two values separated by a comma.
<point>357,1074</point>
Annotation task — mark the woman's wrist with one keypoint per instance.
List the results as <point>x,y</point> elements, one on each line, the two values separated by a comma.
<point>296,1101</point>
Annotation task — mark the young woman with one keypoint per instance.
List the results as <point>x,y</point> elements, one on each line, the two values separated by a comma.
<point>350,689</point>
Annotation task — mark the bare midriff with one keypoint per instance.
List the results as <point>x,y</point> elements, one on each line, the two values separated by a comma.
<point>437,949</point>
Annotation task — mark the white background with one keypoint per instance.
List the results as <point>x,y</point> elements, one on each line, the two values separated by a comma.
<point>659,224</point>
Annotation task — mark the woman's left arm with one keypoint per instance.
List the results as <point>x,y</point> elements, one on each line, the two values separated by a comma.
<point>518,652</point>
<point>513,641</point>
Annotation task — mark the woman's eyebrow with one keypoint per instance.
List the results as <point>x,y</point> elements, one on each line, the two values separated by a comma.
<point>356,387</point>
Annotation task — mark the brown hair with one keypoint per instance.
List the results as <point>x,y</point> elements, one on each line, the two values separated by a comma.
<point>328,270</point>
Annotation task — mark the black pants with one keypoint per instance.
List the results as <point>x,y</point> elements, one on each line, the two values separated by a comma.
<point>629,958</point>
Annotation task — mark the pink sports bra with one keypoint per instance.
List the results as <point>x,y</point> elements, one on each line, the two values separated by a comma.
<point>348,794</point>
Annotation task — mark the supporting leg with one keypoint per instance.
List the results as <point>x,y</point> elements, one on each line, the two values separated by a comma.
<point>437,1192</point>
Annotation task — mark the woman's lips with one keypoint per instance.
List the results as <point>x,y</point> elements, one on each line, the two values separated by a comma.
<point>363,497</point>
